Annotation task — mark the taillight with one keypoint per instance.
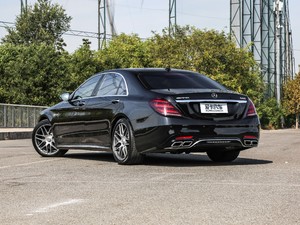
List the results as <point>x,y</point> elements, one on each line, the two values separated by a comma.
<point>251,109</point>
<point>164,107</point>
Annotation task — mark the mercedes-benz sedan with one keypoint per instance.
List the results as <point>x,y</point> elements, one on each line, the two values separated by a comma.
<point>132,112</point>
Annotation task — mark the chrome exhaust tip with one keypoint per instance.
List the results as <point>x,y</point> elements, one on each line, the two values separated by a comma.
<point>250,143</point>
<point>181,144</point>
<point>176,144</point>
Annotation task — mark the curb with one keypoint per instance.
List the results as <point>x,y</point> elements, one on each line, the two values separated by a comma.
<point>15,135</point>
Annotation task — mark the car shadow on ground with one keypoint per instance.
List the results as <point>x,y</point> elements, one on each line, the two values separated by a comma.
<point>99,156</point>
<point>189,160</point>
<point>172,160</point>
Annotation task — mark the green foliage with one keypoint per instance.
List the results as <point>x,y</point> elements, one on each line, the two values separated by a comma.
<point>291,101</point>
<point>124,51</point>
<point>208,52</point>
<point>270,114</point>
<point>31,74</point>
<point>35,69</point>
<point>41,23</point>
<point>82,64</point>
<point>166,51</point>
<point>36,72</point>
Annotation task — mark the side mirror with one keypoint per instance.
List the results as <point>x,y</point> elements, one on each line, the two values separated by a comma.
<point>65,96</point>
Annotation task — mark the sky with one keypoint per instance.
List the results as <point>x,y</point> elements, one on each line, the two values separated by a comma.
<point>142,17</point>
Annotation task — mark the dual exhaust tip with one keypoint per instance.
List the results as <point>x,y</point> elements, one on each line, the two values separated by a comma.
<point>180,144</point>
<point>250,142</point>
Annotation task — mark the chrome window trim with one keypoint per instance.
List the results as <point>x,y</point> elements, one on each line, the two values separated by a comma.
<point>72,94</point>
<point>101,96</point>
<point>127,91</point>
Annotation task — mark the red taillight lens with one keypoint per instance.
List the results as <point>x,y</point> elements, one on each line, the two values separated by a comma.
<point>164,107</point>
<point>251,109</point>
<point>249,137</point>
<point>183,138</point>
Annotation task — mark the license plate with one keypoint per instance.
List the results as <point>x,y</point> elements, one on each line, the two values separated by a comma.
<point>214,108</point>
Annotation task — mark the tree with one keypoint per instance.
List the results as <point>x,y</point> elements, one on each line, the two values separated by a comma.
<point>174,51</point>
<point>123,51</point>
<point>209,52</point>
<point>43,22</point>
<point>36,72</point>
<point>270,114</point>
<point>291,101</point>
<point>82,65</point>
<point>32,74</point>
<point>33,64</point>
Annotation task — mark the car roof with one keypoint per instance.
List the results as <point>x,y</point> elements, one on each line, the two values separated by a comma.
<point>140,70</point>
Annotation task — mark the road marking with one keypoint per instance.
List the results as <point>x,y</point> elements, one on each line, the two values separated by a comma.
<point>26,164</point>
<point>56,205</point>
<point>163,176</point>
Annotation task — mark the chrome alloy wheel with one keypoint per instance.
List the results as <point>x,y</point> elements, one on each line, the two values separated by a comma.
<point>44,140</point>
<point>121,142</point>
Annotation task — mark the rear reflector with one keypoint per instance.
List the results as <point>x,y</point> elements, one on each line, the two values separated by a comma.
<point>249,137</point>
<point>164,107</point>
<point>182,138</point>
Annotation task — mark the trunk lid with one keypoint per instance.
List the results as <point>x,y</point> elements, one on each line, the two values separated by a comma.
<point>208,104</point>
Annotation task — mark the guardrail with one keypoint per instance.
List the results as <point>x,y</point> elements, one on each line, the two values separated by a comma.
<point>19,116</point>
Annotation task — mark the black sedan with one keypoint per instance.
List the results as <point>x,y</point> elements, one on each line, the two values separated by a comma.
<point>132,112</point>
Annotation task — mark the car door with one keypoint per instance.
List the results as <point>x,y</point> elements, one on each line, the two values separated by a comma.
<point>102,108</point>
<point>70,119</point>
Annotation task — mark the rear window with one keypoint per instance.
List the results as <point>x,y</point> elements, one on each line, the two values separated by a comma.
<point>177,80</point>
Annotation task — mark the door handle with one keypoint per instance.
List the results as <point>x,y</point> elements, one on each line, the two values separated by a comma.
<point>115,101</point>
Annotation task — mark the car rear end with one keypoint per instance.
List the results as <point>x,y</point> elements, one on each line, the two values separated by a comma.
<point>200,123</point>
<point>198,118</point>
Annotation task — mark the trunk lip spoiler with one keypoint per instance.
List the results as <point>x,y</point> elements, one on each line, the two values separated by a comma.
<point>212,100</point>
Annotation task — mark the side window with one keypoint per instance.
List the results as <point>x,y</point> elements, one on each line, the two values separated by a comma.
<point>122,88</point>
<point>112,84</point>
<point>87,88</point>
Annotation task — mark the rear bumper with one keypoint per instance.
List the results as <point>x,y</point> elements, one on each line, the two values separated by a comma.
<point>214,142</point>
<point>197,138</point>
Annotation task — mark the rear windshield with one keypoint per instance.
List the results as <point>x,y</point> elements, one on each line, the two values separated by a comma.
<point>177,80</point>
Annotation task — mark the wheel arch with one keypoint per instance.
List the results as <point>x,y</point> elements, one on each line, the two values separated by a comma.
<point>116,119</point>
<point>43,117</point>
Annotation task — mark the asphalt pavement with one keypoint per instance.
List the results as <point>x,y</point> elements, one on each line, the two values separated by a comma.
<point>261,187</point>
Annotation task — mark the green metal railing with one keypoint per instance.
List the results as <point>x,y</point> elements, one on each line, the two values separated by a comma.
<point>21,116</point>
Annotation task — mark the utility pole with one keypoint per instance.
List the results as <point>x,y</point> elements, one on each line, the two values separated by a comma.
<point>110,14</point>
<point>101,24</point>
<point>172,17</point>
<point>265,26</point>
<point>23,6</point>
<point>278,5</point>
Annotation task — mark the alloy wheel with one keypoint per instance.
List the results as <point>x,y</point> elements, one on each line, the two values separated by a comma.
<point>121,141</point>
<point>44,140</point>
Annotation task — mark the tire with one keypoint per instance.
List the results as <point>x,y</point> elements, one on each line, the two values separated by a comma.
<point>123,144</point>
<point>223,156</point>
<point>43,140</point>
